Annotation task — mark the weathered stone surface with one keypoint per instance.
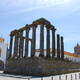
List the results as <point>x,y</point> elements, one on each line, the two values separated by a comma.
<point>53,43</point>
<point>62,48</point>
<point>1,65</point>
<point>27,66</point>
<point>58,46</point>
<point>16,47</point>
<point>26,43</point>
<point>40,66</point>
<point>21,45</point>
<point>42,40</point>
<point>48,43</point>
<point>33,44</point>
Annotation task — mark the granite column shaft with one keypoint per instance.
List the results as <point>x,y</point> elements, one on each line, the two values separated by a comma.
<point>26,43</point>
<point>15,47</point>
<point>41,40</point>
<point>33,43</point>
<point>21,42</point>
<point>58,46</point>
<point>53,43</point>
<point>48,43</point>
<point>62,48</point>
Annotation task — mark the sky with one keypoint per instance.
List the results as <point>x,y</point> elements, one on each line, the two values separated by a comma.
<point>63,14</point>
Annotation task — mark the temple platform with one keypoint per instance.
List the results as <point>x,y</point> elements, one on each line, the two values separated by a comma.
<point>38,66</point>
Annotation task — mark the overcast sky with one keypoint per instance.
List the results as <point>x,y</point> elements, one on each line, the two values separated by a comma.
<point>63,14</point>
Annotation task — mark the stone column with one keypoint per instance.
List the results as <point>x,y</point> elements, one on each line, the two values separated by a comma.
<point>33,43</point>
<point>41,40</point>
<point>26,43</point>
<point>58,46</point>
<point>48,43</point>
<point>62,48</point>
<point>53,43</point>
<point>21,44</point>
<point>10,47</point>
<point>15,55</point>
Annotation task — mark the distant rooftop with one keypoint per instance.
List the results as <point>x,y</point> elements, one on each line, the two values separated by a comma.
<point>1,40</point>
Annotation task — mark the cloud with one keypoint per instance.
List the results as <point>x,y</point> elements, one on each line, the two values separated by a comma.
<point>21,3</point>
<point>24,5</point>
<point>60,8</point>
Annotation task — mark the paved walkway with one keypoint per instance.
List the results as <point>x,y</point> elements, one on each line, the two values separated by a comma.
<point>12,77</point>
<point>57,77</point>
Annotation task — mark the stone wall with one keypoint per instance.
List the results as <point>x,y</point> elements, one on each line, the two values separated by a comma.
<point>38,66</point>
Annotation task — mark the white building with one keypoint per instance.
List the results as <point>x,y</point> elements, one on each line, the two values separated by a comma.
<point>3,50</point>
<point>71,56</point>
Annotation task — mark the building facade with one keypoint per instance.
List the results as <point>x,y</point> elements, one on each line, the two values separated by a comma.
<point>77,49</point>
<point>3,50</point>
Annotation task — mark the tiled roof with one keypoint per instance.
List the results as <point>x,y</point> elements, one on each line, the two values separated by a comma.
<point>69,54</point>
